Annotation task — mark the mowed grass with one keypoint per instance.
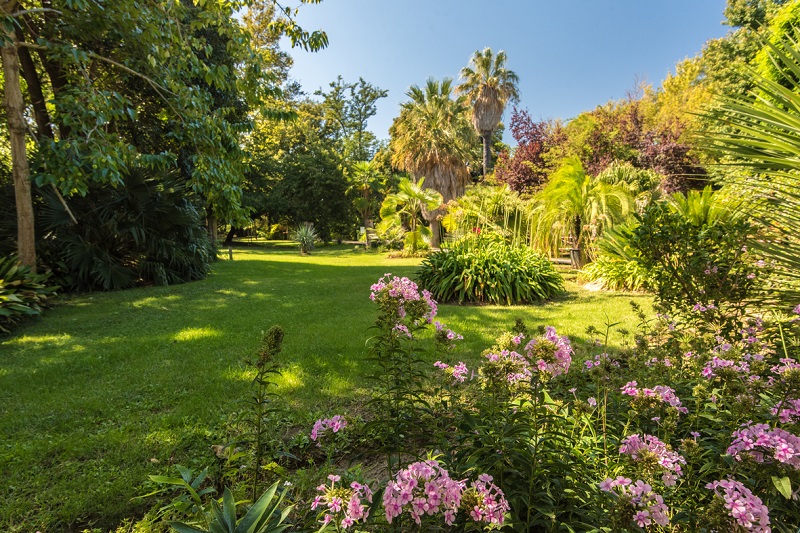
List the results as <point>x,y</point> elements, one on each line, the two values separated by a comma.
<point>110,387</point>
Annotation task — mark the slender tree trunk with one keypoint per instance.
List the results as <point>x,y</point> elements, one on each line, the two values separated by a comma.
<point>212,228</point>
<point>26,237</point>
<point>436,233</point>
<point>487,151</point>
<point>40,113</point>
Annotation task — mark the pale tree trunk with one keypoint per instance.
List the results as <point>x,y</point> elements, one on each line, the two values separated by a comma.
<point>26,238</point>
<point>487,151</point>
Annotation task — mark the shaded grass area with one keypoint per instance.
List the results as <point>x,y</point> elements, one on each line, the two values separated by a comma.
<point>110,387</point>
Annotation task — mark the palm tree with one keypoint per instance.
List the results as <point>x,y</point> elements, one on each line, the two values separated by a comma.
<point>576,207</point>
<point>365,178</point>
<point>489,86</point>
<point>431,138</point>
<point>406,206</point>
<point>758,136</point>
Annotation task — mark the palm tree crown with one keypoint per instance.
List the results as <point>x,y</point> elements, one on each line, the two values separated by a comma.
<point>489,86</point>
<point>431,138</point>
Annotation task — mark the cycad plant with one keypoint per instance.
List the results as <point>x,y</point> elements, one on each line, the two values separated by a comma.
<point>758,134</point>
<point>574,208</point>
<point>406,206</point>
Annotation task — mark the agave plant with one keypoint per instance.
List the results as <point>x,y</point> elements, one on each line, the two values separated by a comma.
<point>306,236</point>
<point>758,136</point>
<point>265,516</point>
<point>22,293</point>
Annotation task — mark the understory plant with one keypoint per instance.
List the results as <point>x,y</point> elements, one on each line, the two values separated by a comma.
<point>483,268</point>
<point>22,293</point>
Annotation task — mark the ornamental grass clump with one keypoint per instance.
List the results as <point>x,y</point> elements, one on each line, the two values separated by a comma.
<point>486,269</point>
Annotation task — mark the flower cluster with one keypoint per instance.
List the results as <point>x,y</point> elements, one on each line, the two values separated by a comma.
<point>550,355</point>
<point>446,337</point>
<point>757,441</point>
<point>458,372</point>
<point>660,393</point>
<point>648,506</point>
<point>789,411</point>
<point>485,502</point>
<point>323,425</point>
<point>714,366</point>
<point>598,361</point>
<point>400,298</point>
<point>742,505</point>
<point>649,448</point>
<point>423,488</point>
<point>343,506</point>
<point>508,366</point>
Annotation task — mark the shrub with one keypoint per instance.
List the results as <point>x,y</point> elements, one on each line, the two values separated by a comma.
<point>616,266</point>
<point>697,255</point>
<point>484,269</point>
<point>22,293</point>
<point>148,230</point>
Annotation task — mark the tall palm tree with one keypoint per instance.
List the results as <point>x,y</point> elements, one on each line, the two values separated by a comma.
<point>431,138</point>
<point>576,207</point>
<point>489,86</point>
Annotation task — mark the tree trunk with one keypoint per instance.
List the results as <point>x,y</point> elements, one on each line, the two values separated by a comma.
<point>487,151</point>
<point>26,237</point>
<point>40,113</point>
<point>212,228</point>
<point>436,233</point>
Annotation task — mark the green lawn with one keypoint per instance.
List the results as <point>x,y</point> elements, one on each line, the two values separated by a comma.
<point>110,387</point>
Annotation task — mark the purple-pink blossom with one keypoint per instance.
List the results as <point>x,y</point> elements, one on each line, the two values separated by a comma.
<point>423,488</point>
<point>648,445</point>
<point>746,509</point>
<point>661,393</point>
<point>648,505</point>
<point>763,443</point>
<point>343,506</point>
<point>323,425</point>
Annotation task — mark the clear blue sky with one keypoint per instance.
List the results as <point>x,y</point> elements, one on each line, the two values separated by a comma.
<point>570,55</point>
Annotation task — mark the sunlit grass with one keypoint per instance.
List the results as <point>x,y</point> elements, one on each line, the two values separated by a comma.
<point>110,387</point>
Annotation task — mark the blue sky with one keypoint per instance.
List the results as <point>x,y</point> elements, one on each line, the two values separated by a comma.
<point>570,55</point>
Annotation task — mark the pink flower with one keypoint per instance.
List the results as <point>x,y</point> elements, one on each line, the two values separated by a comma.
<point>743,506</point>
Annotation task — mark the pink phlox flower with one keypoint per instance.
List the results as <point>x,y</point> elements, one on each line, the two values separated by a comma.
<point>592,402</point>
<point>649,505</point>
<point>323,425</point>
<point>760,442</point>
<point>670,461</point>
<point>743,506</point>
